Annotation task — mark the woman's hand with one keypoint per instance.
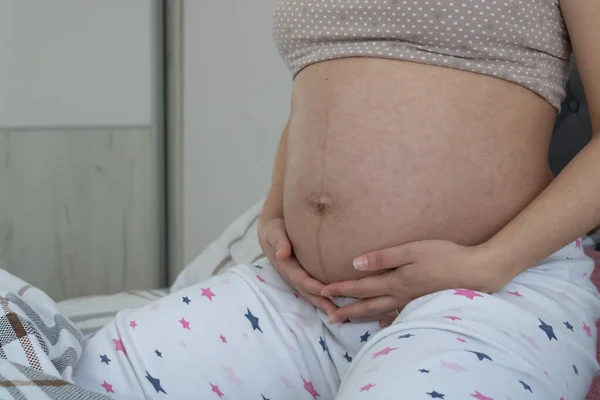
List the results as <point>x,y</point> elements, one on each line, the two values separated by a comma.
<point>413,270</point>
<point>275,243</point>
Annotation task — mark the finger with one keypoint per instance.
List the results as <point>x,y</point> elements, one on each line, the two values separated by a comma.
<point>387,316</point>
<point>321,303</point>
<point>299,278</point>
<point>283,250</point>
<point>371,286</point>
<point>364,310</point>
<point>279,243</point>
<point>383,323</point>
<point>392,257</point>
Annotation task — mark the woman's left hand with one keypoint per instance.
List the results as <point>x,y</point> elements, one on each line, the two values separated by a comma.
<point>413,270</point>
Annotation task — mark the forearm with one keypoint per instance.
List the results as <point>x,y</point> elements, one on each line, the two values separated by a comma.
<point>565,211</point>
<point>273,206</point>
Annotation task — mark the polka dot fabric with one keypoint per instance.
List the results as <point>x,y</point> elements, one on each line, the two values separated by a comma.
<point>523,41</point>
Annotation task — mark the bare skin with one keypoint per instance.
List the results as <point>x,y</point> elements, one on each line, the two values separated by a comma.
<point>464,169</point>
<point>381,153</point>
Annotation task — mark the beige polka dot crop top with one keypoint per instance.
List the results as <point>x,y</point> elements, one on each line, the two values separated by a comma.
<point>523,41</point>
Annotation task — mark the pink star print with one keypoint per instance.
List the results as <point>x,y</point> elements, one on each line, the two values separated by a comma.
<point>107,387</point>
<point>562,397</point>
<point>223,338</point>
<point>565,296</point>
<point>119,346</point>
<point>516,294</point>
<point>226,281</point>
<point>215,388</point>
<point>233,378</point>
<point>372,369</point>
<point>308,386</point>
<point>479,396</point>
<point>296,295</point>
<point>529,340</point>
<point>461,340</point>
<point>452,318</point>
<point>260,278</point>
<point>155,306</point>
<point>185,324</point>
<point>182,343</point>
<point>453,366</point>
<point>578,243</point>
<point>384,352</point>
<point>470,294</point>
<point>366,387</point>
<point>132,324</point>
<point>207,293</point>
<point>286,382</point>
<point>587,329</point>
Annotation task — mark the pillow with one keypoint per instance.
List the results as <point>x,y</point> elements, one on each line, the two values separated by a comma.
<point>238,244</point>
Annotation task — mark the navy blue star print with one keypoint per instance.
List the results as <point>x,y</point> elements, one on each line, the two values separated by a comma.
<point>548,329</point>
<point>263,397</point>
<point>104,359</point>
<point>347,357</point>
<point>253,320</point>
<point>568,325</point>
<point>158,353</point>
<point>424,371</point>
<point>408,335</point>
<point>322,343</point>
<point>186,300</point>
<point>575,370</point>
<point>365,337</point>
<point>481,356</point>
<point>526,386</point>
<point>258,266</point>
<point>436,395</point>
<point>155,383</point>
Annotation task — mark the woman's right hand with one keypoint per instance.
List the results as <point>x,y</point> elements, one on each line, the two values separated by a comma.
<point>275,243</point>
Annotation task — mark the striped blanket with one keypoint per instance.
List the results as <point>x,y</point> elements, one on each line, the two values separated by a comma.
<point>39,347</point>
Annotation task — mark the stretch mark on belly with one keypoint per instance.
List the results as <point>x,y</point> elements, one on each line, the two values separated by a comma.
<point>322,201</point>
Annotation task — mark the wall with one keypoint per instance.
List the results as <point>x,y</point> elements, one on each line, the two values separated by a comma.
<point>80,145</point>
<point>236,102</point>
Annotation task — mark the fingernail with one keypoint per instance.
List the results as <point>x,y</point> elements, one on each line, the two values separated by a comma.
<point>278,253</point>
<point>360,263</point>
<point>326,293</point>
<point>334,320</point>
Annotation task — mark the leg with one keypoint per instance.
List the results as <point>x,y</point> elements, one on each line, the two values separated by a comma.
<point>241,335</point>
<point>535,339</point>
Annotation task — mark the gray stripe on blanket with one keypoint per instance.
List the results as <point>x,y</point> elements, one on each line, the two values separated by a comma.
<point>63,392</point>
<point>15,393</point>
<point>81,318</point>
<point>52,333</point>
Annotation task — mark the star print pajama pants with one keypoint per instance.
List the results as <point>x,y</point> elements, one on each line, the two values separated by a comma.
<point>247,335</point>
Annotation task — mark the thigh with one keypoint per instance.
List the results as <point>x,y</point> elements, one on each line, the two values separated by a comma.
<point>234,336</point>
<point>535,339</point>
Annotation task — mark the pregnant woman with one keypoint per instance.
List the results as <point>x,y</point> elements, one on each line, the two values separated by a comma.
<point>417,245</point>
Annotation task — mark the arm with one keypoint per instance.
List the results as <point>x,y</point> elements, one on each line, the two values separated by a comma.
<point>273,207</point>
<point>570,206</point>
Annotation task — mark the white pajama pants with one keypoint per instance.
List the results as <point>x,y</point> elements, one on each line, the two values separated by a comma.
<point>248,335</point>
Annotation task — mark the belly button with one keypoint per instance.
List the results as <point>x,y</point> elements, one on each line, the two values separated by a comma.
<point>321,203</point>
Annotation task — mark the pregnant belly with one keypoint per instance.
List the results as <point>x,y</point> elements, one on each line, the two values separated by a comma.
<point>368,172</point>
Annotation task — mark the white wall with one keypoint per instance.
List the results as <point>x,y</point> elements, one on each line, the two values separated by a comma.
<point>81,201</point>
<point>236,102</point>
<point>75,62</point>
